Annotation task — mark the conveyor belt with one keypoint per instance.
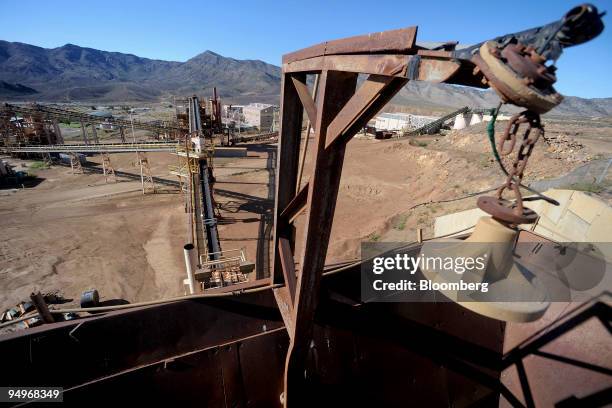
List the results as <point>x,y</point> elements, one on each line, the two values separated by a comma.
<point>94,148</point>
<point>434,126</point>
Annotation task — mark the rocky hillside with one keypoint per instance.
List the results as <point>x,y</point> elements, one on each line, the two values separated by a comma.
<point>15,89</point>
<point>73,73</point>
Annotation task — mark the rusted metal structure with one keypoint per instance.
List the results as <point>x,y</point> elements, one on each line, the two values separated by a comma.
<point>33,128</point>
<point>209,113</point>
<point>107,168</point>
<point>303,337</point>
<point>38,115</point>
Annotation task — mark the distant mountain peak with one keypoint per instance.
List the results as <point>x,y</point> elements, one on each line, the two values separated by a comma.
<point>208,55</point>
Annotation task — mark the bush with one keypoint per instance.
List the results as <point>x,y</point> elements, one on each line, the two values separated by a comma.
<point>418,143</point>
<point>39,165</point>
<point>400,222</point>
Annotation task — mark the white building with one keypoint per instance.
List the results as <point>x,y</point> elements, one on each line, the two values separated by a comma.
<point>259,115</point>
<point>402,121</point>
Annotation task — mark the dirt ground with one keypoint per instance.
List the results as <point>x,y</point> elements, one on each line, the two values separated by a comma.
<point>70,233</point>
<point>74,232</point>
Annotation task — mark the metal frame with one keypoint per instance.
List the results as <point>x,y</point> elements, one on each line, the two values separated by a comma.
<point>389,59</point>
<point>146,176</point>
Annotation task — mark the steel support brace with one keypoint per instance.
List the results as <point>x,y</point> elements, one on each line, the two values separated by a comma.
<point>335,90</point>
<point>338,113</point>
<point>287,166</point>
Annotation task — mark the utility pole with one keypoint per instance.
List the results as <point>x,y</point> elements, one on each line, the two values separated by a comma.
<point>138,158</point>
<point>132,122</point>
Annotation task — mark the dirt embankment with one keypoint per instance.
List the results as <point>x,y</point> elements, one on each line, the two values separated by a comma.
<point>383,180</point>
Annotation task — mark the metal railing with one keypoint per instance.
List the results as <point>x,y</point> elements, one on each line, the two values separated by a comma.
<point>225,270</point>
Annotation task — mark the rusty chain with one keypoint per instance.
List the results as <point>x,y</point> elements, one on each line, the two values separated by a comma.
<point>530,136</point>
<point>498,207</point>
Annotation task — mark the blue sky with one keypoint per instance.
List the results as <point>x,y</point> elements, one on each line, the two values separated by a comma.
<point>179,30</point>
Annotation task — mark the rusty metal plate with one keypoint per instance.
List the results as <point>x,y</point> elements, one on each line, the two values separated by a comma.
<point>502,210</point>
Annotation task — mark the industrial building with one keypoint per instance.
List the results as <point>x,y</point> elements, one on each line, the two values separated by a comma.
<point>402,121</point>
<point>259,115</point>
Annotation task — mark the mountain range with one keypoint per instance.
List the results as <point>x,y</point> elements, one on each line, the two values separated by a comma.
<point>73,73</point>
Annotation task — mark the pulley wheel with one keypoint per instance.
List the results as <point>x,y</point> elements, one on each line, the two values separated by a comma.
<point>510,86</point>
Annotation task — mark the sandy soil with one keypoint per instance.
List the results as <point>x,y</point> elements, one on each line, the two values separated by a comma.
<point>71,233</point>
<point>74,232</point>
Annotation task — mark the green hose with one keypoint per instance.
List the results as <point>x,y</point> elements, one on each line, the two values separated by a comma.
<point>491,133</point>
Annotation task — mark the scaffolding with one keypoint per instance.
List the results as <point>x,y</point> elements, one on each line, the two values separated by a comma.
<point>146,176</point>
<point>75,163</point>
<point>107,168</point>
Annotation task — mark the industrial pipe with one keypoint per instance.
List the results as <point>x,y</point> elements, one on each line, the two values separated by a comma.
<point>190,266</point>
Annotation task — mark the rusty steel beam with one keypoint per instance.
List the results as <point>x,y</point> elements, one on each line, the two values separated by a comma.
<point>288,265</point>
<point>395,65</point>
<point>287,166</point>
<point>390,42</point>
<point>339,113</point>
<point>296,206</point>
<point>285,306</point>
<point>335,90</point>
<point>305,98</point>
<point>437,69</point>
<point>373,94</point>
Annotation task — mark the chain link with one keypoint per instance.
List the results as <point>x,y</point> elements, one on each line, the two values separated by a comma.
<point>506,145</point>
